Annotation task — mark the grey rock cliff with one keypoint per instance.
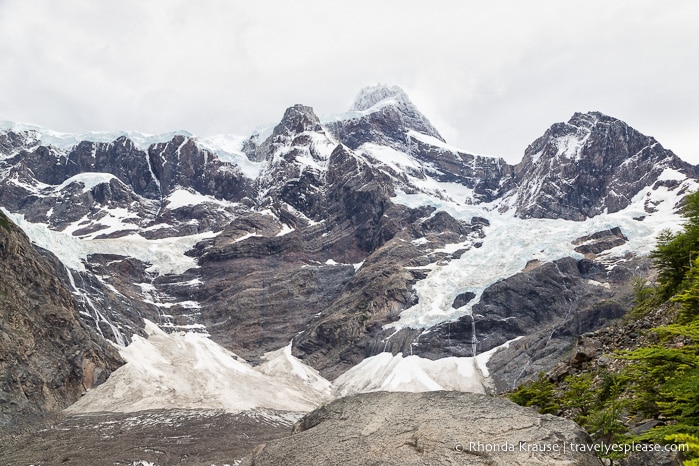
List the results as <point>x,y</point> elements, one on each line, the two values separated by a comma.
<point>48,358</point>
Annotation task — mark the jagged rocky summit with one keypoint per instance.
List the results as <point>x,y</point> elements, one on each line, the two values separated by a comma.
<point>385,256</point>
<point>591,164</point>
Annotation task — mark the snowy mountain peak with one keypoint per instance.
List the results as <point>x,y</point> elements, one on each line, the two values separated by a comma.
<point>382,115</point>
<point>379,93</point>
<point>591,132</point>
<point>365,235</point>
<point>299,134</point>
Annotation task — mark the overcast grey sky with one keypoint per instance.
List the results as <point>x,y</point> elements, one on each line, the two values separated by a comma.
<point>490,75</point>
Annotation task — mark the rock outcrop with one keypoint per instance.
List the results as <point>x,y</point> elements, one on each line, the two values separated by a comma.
<point>427,428</point>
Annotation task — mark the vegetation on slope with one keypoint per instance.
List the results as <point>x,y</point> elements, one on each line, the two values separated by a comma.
<point>652,394</point>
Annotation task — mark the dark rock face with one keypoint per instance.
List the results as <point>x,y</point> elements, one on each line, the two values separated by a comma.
<point>425,428</point>
<point>48,358</point>
<point>350,329</point>
<point>12,142</point>
<point>114,308</point>
<point>260,292</point>
<point>600,241</point>
<point>358,199</point>
<point>121,158</point>
<point>463,299</point>
<point>585,306</point>
<point>152,174</point>
<point>180,163</point>
<point>593,163</point>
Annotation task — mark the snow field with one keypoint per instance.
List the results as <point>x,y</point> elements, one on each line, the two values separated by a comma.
<point>386,372</point>
<point>190,371</point>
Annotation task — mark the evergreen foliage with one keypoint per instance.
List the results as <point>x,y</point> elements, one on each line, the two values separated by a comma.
<point>538,394</point>
<point>692,441</point>
<point>676,253</point>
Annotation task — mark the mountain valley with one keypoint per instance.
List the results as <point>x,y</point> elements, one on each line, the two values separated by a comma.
<point>258,278</point>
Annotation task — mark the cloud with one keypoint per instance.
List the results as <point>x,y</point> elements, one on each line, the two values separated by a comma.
<point>492,76</point>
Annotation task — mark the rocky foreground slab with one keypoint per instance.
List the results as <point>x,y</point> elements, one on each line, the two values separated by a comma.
<point>432,428</point>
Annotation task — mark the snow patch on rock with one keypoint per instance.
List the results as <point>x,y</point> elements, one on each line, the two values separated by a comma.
<point>165,256</point>
<point>386,372</point>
